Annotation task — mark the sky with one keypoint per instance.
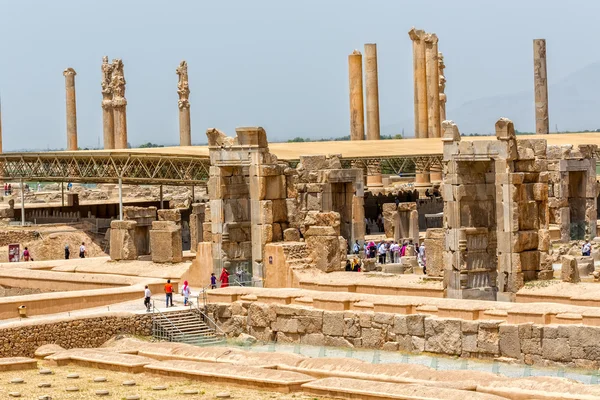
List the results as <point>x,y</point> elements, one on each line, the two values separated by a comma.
<point>277,64</point>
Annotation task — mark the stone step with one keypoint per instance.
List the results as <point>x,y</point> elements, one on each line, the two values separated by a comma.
<point>246,376</point>
<point>101,359</point>
<point>374,390</point>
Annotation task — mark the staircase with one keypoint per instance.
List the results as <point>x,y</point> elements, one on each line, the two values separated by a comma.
<point>185,326</point>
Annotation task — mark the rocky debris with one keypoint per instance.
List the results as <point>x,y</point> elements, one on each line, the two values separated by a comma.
<point>17,380</point>
<point>223,395</point>
<point>14,394</point>
<point>44,385</point>
<point>159,387</point>
<point>569,271</point>
<point>102,392</point>
<point>129,383</point>
<point>72,389</point>
<point>245,339</point>
<point>99,379</point>
<point>45,351</point>
<point>73,376</point>
<point>47,371</point>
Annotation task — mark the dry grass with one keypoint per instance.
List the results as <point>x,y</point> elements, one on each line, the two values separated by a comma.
<point>114,384</point>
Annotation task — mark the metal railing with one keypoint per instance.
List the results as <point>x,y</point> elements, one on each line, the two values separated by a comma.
<point>158,330</point>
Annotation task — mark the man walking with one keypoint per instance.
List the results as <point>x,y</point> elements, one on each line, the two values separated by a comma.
<point>147,296</point>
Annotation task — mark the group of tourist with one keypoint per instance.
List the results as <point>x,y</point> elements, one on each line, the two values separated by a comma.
<point>7,189</point>
<point>186,292</point>
<point>388,252</point>
<point>354,266</point>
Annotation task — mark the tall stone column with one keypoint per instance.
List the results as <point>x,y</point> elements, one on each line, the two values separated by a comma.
<point>119,104</point>
<point>69,74</point>
<point>442,88</point>
<point>433,82</point>
<point>540,81</point>
<point>372,89</point>
<point>183,90</point>
<point>420,82</point>
<point>108,121</point>
<point>357,111</point>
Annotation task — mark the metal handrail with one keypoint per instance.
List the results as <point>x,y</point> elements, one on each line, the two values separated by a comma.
<point>208,320</point>
<point>154,310</point>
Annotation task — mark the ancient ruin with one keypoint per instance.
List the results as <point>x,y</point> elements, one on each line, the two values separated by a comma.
<point>540,81</point>
<point>183,90</point>
<point>119,104</point>
<point>357,113</point>
<point>69,74</point>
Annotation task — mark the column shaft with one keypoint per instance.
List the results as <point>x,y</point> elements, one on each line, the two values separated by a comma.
<point>357,112</point>
<point>540,80</point>
<point>372,89</point>
<point>185,129</point>
<point>433,95</point>
<point>183,90</point>
<point>119,104</point>
<point>108,124</point>
<point>420,82</point>
<point>69,74</point>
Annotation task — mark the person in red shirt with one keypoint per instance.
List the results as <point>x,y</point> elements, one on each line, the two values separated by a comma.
<point>224,278</point>
<point>169,292</point>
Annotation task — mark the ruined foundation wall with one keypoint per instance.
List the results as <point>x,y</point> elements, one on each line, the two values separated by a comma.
<point>22,341</point>
<point>571,345</point>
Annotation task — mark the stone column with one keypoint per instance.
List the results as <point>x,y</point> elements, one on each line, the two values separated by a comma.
<point>357,112</point>
<point>1,168</point>
<point>372,89</point>
<point>420,80</point>
<point>183,90</point>
<point>119,104</point>
<point>69,74</point>
<point>442,87</point>
<point>433,82</point>
<point>108,121</point>
<point>540,81</point>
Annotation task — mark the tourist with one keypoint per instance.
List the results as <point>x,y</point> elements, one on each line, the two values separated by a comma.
<point>9,189</point>
<point>213,281</point>
<point>356,248</point>
<point>147,295</point>
<point>381,250</point>
<point>5,189</point>
<point>397,201</point>
<point>372,249</point>
<point>348,265</point>
<point>423,258</point>
<point>26,255</point>
<point>39,187</point>
<point>355,265</point>
<point>185,292</point>
<point>393,252</point>
<point>67,252</point>
<point>169,292</point>
<point>403,249</point>
<point>69,186</point>
<point>82,250</point>
<point>586,250</point>
<point>224,278</point>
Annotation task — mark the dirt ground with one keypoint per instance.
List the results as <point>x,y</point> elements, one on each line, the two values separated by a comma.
<point>145,383</point>
<point>49,241</point>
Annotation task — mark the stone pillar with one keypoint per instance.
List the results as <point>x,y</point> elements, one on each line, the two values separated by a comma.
<point>372,89</point>
<point>183,90</point>
<point>422,178</point>
<point>420,80</point>
<point>433,81</point>
<point>374,179</point>
<point>1,167</point>
<point>108,121</point>
<point>540,81</point>
<point>69,74</point>
<point>357,112</point>
<point>119,104</point>
<point>442,87</point>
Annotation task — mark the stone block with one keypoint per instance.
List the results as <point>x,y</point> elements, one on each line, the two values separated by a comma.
<point>443,336</point>
<point>585,265</point>
<point>291,235</point>
<point>434,250</point>
<point>319,231</point>
<point>313,162</point>
<point>166,242</point>
<point>251,136</point>
<point>333,323</point>
<point>169,215</point>
<point>122,240</point>
<point>569,271</point>
<point>325,252</point>
<point>279,210</point>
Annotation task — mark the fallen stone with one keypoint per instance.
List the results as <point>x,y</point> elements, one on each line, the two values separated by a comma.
<point>223,395</point>
<point>14,394</point>
<point>245,339</point>
<point>129,383</point>
<point>73,376</point>
<point>47,350</point>
<point>100,379</point>
<point>190,391</point>
<point>133,397</point>
<point>44,385</point>
<point>72,389</point>
<point>17,380</point>
<point>45,372</point>
<point>159,388</point>
<point>102,392</point>
<point>45,397</point>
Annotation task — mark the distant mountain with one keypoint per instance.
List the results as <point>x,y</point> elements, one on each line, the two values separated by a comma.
<point>574,105</point>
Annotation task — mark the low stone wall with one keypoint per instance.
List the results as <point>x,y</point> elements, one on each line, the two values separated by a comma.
<point>18,340</point>
<point>571,345</point>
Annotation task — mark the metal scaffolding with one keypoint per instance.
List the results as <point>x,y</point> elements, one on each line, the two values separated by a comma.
<point>104,167</point>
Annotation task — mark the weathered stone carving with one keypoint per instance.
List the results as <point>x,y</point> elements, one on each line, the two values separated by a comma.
<point>108,125</point>
<point>69,74</point>
<point>442,87</point>
<point>183,88</point>
<point>119,104</point>
<point>420,86</point>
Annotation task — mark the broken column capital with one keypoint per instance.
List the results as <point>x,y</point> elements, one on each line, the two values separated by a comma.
<point>505,129</point>
<point>451,132</point>
<point>416,34</point>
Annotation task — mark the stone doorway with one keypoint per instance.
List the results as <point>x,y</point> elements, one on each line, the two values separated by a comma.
<point>341,202</point>
<point>577,204</point>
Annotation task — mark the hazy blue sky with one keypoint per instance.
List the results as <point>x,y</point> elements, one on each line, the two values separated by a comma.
<point>279,64</point>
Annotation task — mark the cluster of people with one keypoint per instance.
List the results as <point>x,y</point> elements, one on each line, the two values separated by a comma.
<point>354,266</point>
<point>388,252</point>
<point>186,292</point>
<point>7,189</point>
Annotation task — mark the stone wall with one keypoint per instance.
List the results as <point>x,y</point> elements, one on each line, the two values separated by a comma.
<point>23,340</point>
<point>572,345</point>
